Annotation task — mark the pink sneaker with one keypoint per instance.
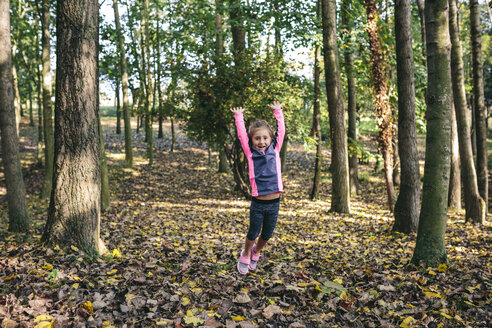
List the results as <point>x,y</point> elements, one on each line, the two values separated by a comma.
<point>254,259</point>
<point>243,264</point>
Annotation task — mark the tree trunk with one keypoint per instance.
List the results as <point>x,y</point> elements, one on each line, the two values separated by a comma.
<point>118,107</point>
<point>454,194</point>
<point>40,153</point>
<point>407,204</point>
<point>239,47</point>
<point>105,196</point>
<point>75,206</point>
<point>480,112</point>
<point>124,83</point>
<point>383,110</point>
<point>351,99</point>
<point>219,51</point>
<point>421,7</point>
<point>430,247</point>
<point>160,115</point>
<point>173,135</point>
<point>148,76</point>
<point>17,99</point>
<point>473,202</point>
<point>47,105</point>
<point>317,121</point>
<point>340,199</point>
<point>238,33</point>
<point>31,112</point>
<point>19,220</point>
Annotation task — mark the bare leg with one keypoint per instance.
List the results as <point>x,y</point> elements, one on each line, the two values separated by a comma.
<point>248,244</point>
<point>259,245</point>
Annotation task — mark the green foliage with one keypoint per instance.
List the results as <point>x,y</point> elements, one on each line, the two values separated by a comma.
<point>216,89</point>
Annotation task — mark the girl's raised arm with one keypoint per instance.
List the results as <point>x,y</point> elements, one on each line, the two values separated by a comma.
<point>241,129</point>
<point>279,116</point>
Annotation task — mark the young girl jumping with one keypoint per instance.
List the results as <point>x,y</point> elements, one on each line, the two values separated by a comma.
<point>262,149</point>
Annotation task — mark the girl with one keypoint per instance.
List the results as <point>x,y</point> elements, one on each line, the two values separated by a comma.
<point>262,149</point>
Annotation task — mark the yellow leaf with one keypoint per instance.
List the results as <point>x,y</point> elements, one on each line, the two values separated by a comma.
<point>338,280</point>
<point>442,268</point>
<point>74,248</point>
<point>432,273</point>
<point>238,318</point>
<point>76,278</point>
<point>42,317</point>
<point>302,284</point>
<point>185,301</point>
<point>48,267</point>
<point>88,306</point>
<point>432,294</point>
<point>45,324</point>
<point>407,323</point>
<point>191,319</point>
<point>9,277</point>
<point>116,253</point>
<point>111,272</point>
<point>75,286</point>
<point>447,316</point>
<point>344,296</point>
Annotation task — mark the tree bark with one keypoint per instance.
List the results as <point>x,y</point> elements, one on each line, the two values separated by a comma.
<point>407,204</point>
<point>480,112</point>
<point>473,203</point>
<point>118,106</point>
<point>124,84</point>
<point>219,52</point>
<point>430,245</point>
<point>40,153</point>
<point>17,98</point>
<point>317,122</point>
<point>19,220</point>
<point>340,198</point>
<point>75,206</point>
<point>47,105</point>
<point>351,100</point>
<point>383,110</point>
<point>454,194</point>
<point>148,76</point>
<point>239,47</point>
<point>105,196</point>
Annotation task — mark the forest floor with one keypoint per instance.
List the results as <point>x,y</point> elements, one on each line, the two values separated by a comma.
<point>174,232</point>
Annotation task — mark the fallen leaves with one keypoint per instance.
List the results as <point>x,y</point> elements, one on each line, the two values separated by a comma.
<point>175,233</point>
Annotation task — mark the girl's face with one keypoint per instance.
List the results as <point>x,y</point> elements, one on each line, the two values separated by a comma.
<point>261,139</point>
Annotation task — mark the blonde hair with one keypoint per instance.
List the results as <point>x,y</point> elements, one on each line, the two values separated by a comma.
<point>258,125</point>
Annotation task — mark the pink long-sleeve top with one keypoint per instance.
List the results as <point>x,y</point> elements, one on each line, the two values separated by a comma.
<point>264,167</point>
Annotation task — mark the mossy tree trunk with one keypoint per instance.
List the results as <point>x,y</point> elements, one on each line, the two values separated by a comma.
<point>124,85</point>
<point>480,111</point>
<point>317,122</point>
<point>47,105</point>
<point>473,201</point>
<point>407,204</point>
<point>430,248</point>
<point>351,97</point>
<point>19,220</point>
<point>340,197</point>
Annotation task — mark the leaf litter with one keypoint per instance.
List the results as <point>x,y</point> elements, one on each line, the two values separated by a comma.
<point>175,231</point>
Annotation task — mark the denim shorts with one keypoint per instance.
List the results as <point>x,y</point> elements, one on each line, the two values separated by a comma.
<point>263,216</point>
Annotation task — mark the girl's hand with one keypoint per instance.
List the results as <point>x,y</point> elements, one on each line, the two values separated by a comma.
<point>237,110</point>
<point>276,105</point>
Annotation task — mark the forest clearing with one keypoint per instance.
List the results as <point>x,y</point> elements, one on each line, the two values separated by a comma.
<point>174,232</point>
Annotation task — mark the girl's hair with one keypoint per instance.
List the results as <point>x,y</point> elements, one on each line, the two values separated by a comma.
<point>260,124</point>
